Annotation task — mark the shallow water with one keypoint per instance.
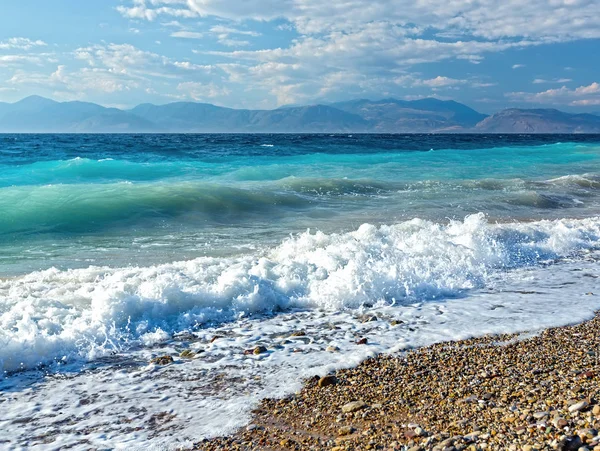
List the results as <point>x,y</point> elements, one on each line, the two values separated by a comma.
<point>116,249</point>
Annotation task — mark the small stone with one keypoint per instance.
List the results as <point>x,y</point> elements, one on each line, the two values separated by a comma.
<point>332,348</point>
<point>596,410</point>
<point>588,433</point>
<point>579,406</point>
<point>362,341</point>
<point>354,406</point>
<point>571,443</point>
<point>215,338</point>
<point>472,436</point>
<point>187,354</point>
<point>346,430</point>
<point>327,380</point>
<point>368,319</point>
<point>162,360</point>
<point>298,333</point>
<point>560,422</point>
<point>540,415</point>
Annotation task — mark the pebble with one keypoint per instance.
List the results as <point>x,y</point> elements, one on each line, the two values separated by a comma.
<point>353,406</point>
<point>493,393</point>
<point>162,360</point>
<point>579,406</point>
<point>298,333</point>
<point>346,430</point>
<point>187,354</point>
<point>327,380</point>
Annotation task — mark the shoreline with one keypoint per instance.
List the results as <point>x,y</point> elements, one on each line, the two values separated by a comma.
<point>501,392</point>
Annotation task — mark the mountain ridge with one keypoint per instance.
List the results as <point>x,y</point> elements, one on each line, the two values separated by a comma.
<point>36,114</point>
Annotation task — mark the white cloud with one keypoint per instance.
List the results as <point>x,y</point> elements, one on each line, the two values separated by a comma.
<point>21,44</point>
<point>221,33</point>
<point>220,29</point>
<point>371,42</point>
<point>114,68</point>
<point>490,19</point>
<point>75,83</point>
<point>13,59</point>
<point>203,91</point>
<point>581,96</point>
<point>187,34</point>
<point>538,81</point>
<point>440,82</point>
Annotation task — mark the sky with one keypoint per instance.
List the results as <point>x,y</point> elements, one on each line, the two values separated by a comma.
<point>489,54</point>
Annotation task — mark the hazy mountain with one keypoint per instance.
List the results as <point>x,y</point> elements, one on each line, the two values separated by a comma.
<point>402,116</point>
<point>202,117</point>
<point>516,120</point>
<point>37,114</point>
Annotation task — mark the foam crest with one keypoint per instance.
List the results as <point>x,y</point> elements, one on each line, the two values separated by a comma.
<point>85,313</point>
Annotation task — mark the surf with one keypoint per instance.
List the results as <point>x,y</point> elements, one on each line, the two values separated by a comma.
<point>86,313</point>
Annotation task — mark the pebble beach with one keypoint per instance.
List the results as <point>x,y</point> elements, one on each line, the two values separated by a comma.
<point>506,392</point>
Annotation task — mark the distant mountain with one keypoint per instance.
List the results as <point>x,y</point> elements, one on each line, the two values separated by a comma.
<point>40,115</point>
<point>202,117</point>
<point>425,115</point>
<point>516,120</point>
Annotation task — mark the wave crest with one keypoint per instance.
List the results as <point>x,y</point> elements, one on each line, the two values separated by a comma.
<point>85,313</point>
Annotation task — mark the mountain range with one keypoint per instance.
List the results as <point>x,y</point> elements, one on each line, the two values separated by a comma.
<point>40,115</point>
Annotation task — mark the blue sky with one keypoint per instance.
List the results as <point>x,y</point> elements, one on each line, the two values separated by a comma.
<point>266,53</point>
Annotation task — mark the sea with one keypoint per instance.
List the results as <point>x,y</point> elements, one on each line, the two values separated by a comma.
<point>118,249</point>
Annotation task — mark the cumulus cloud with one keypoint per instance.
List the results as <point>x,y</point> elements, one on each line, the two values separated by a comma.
<point>21,44</point>
<point>187,34</point>
<point>490,19</point>
<point>440,82</point>
<point>203,91</point>
<point>363,38</point>
<point>581,96</point>
<point>113,68</point>
<point>370,42</point>
<point>221,33</point>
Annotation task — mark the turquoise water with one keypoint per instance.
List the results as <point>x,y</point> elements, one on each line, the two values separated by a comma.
<point>117,249</point>
<point>75,200</point>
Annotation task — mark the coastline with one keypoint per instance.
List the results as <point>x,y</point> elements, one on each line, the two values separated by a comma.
<point>511,391</point>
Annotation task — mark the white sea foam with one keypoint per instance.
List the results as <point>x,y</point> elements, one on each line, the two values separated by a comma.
<point>85,313</point>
